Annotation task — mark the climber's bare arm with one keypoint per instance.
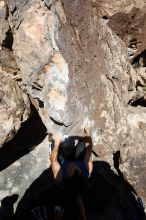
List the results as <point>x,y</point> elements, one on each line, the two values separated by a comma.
<point>53,158</point>
<point>89,146</point>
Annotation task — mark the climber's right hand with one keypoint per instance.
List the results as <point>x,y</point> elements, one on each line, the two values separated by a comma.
<point>57,137</point>
<point>88,128</point>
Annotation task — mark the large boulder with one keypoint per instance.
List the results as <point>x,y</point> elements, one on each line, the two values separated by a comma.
<point>63,71</point>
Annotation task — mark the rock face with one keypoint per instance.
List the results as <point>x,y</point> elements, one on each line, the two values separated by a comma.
<point>4,24</point>
<point>23,172</point>
<point>72,59</point>
<point>59,79</point>
<point>133,30</point>
<point>14,106</point>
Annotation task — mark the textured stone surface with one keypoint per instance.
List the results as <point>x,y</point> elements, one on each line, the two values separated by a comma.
<point>66,72</point>
<point>133,30</point>
<point>4,25</point>
<point>109,8</point>
<point>17,178</point>
<point>14,106</point>
<point>71,59</point>
<point>128,20</point>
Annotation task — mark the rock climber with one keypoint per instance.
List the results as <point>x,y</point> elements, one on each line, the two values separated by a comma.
<point>72,174</point>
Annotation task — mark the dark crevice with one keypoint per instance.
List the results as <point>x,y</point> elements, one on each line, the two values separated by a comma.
<point>117,159</point>
<point>8,42</point>
<point>31,133</point>
<point>19,80</point>
<point>140,60</point>
<point>56,122</point>
<point>105,17</point>
<point>115,78</point>
<point>36,88</point>
<point>19,24</point>
<point>7,12</point>
<point>130,86</point>
<point>41,104</point>
<point>15,9</point>
<point>138,83</point>
<point>37,85</point>
<point>49,6</point>
<point>139,102</point>
<point>133,43</point>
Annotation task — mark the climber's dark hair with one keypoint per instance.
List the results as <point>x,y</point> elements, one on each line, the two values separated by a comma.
<point>76,184</point>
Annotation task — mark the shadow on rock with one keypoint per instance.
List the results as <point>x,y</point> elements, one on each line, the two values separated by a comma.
<point>31,133</point>
<point>43,192</point>
<point>125,204</point>
<point>131,193</point>
<point>6,209</point>
<point>107,197</point>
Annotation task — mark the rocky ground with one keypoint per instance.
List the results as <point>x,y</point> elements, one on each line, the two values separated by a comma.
<point>61,63</point>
